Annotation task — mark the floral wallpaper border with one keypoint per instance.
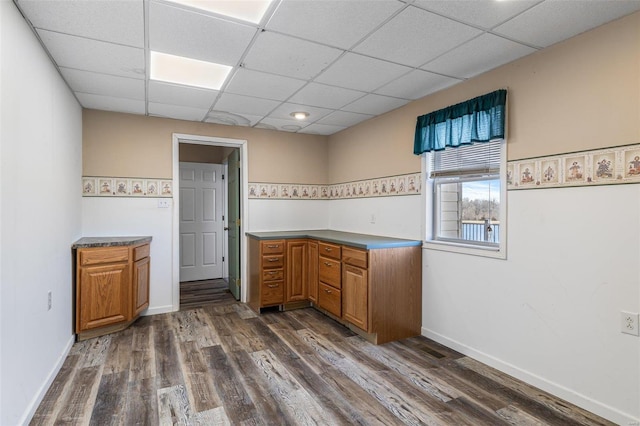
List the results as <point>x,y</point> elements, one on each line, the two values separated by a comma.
<point>605,166</point>
<point>97,186</point>
<point>400,185</point>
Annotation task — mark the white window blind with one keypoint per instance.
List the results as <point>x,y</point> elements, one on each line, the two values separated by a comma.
<point>468,160</point>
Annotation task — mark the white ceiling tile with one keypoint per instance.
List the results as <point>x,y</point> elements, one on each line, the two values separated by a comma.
<point>109,103</point>
<point>483,13</point>
<point>324,96</point>
<point>554,20</point>
<point>91,55</point>
<point>104,84</point>
<point>172,94</point>
<point>404,38</point>
<point>284,111</point>
<point>279,54</point>
<point>196,35</point>
<point>361,73</point>
<point>344,118</point>
<point>321,129</point>
<point>113,21</point>
<point>282,124</point>
<point>262,85</point>
<point>417,84</point>
<point>177,111</point>
<point>337,23</point>
<point>479,55</point>
<point>223,117</point>
<point>375,104</point>
<point>245,104</point>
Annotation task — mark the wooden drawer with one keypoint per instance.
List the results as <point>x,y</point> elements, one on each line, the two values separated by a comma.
<point>329,271</point>
<point>272,293</point>
<point>275,261</point>
<point>355,257</point>
<point>272,247</point>
<point>94,256</point>
<point>330,298</point>
<point>141,252</point>
<point>273,275</point>
<point>329,250</point>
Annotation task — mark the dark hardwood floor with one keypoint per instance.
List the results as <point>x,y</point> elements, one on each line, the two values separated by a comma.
<point>220,363</point>
<point>194,294</point>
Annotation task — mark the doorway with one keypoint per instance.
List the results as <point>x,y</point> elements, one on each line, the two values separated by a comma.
<point>203,235</point>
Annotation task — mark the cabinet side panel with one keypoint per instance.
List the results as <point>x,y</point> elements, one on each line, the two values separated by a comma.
<point>395,293</point>
<point>253,285</point>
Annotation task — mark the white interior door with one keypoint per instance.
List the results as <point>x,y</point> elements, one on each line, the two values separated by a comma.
<point>201,224</point>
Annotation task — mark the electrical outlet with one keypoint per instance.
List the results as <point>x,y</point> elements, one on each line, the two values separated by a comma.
<point>163,203</point>
<point>373,218</point>
<point>629,323</point>
<point>49,301</point>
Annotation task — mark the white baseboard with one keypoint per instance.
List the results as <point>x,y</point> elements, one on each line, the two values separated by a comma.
<point>560,391</point>
<point>158,310</point>
<point>39,396</point>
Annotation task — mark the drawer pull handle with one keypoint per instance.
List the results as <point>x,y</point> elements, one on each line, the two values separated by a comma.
<point>327,248</point>
<point>272,272</point>
<point>273,285</point>
<point>273,246</point>
<point>328,264</point>
<point>327,291</point>
<point>272,259</point>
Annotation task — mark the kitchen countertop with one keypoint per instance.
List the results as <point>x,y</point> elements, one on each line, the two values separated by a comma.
<point>363,241</point>
<point>87,242</point>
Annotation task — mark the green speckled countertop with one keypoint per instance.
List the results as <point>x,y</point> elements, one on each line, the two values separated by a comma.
<point>363,241</point>
<point>87,242</point>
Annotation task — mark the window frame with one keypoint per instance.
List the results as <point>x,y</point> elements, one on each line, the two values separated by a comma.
<point>433,242</point>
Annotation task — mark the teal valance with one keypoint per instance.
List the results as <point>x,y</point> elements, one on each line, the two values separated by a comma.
<point>479,119</point>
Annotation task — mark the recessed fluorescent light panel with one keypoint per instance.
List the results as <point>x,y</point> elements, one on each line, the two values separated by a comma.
<point>187,71</point>
<point>246,10</point>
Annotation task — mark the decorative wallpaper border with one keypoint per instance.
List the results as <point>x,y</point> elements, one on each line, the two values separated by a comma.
<point>605,166</point>
<point>100,186</point>
<point>407,184</point>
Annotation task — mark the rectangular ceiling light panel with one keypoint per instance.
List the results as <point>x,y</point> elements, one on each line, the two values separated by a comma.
<point>246,10</point>
<point>187,71</point>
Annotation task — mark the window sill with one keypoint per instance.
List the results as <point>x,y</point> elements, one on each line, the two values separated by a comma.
<point>473,250</point>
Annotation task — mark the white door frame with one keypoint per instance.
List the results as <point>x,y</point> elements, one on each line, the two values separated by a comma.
<point>244,211</point>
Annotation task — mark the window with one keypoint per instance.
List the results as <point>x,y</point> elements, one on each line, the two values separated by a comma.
<point>467,194</point>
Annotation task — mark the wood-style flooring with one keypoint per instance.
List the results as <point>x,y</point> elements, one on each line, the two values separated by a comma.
<point>220,363</point>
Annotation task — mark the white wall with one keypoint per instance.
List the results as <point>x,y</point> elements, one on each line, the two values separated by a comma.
<point>107,216</point>
<point>550,313</point>
<point>41,166</point>
<point>399,217</point>
<point>279,215</point>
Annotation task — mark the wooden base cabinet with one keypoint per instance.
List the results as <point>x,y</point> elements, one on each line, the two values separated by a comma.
<point>376,292</point>
<point>266,273</point>
<point>112,288</point>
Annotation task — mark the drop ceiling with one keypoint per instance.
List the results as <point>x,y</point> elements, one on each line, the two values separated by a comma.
<point>342,61</point>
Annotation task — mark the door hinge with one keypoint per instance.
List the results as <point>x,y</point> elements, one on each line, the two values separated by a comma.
<point>222,177</point>
<point>238,282</point>
<point>223,258</point>
<point>237,222</point>
<point>222,217</point>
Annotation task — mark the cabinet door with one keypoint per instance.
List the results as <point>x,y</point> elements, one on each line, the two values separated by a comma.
<point>103,296</point>
<point>141,285</point>
<point>313,271</point>
<point>297,275</point>
<point>355,296</point>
